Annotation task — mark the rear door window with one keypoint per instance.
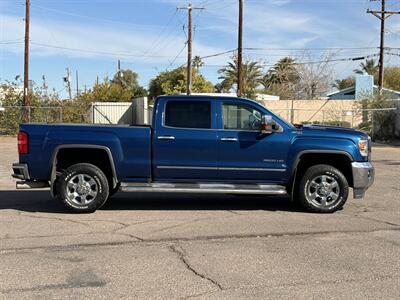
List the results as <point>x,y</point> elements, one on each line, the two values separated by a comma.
<point>188,114</point>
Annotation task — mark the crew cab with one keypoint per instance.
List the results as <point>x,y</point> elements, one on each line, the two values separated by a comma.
<point>197,144</point>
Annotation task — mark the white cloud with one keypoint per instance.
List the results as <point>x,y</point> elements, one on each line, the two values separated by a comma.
<point>109,42</point>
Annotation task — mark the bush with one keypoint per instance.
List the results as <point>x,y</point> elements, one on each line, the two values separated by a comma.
<point>44,108</point>
<point>379,119</point>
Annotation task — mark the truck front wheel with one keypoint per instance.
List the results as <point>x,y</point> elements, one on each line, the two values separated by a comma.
<point>82,188</point>
<point>323,189</point>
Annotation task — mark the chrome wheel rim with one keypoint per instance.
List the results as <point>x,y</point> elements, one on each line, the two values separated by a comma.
<point>323,191</point>
<point>82,189</point>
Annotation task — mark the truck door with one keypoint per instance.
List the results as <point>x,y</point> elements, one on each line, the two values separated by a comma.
<point>185,140</point>
<point>244,152</point>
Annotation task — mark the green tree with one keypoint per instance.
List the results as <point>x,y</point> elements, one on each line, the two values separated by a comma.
<point>252,76</point>
<point>197,62</point>
<point>342,84</point>
<point>122,88</point>
<point>282,78</point>
<point>370,66</point>
<point>284,71</point>
<point>221,88</point>
<point>128,80</point>
<point>392,78</point>
<point>174,82</point>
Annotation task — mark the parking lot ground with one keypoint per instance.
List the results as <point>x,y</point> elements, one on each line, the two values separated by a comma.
<point>200,246</point>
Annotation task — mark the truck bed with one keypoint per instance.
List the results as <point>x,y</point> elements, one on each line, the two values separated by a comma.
<point>130,146</point>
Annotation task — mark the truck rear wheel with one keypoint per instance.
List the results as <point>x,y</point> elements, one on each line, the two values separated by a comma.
<point>323,189</point>
<point>82,188</point>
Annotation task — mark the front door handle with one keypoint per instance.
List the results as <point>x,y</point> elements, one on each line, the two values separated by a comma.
<point>165,137</point>
<point>229,139</point>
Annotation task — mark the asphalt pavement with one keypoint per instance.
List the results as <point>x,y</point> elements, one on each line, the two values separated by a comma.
<point>200,246</point>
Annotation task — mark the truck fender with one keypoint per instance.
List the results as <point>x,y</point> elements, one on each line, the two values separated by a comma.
<point>53,174</point>
<point>297,160</point>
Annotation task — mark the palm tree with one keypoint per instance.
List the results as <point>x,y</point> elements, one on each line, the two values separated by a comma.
<point>284,71</point>
<point>370,66</point>
<point>197,62</point>
<point>342,84</point>
<point>252,75</point>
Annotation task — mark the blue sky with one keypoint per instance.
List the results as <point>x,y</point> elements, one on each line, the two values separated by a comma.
<point>148,36</point>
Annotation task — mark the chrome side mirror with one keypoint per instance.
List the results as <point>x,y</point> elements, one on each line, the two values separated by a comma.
<point>267,124</point>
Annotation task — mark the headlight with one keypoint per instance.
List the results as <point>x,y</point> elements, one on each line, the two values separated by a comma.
<point>363,147</point>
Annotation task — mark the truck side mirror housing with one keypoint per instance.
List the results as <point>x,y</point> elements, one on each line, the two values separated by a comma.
<point>267,124</point>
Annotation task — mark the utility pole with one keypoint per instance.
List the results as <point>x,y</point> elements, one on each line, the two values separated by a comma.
<point>44,85</point>
<point>77,83</point>
<point>240,51</point>
<point>382,15</point>
<point>119,68</point>
<point>189,43</point>
<point>26,58</point>
<point>67,81</point>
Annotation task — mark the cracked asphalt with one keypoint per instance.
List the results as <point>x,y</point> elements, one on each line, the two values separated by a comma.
<point>200,246</point>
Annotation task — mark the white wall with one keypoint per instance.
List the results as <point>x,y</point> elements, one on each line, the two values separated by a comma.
<point>136,112</point>
<point>112,113</point>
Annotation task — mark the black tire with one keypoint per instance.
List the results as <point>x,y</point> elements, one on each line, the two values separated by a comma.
<point>114,190</point>
<point>94,189</point>
<point>323,189</point>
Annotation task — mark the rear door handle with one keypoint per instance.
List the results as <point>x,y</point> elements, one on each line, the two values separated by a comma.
<point>165,137</point>
<point>229,139</point>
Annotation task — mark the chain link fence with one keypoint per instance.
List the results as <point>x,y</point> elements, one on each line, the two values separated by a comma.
<point>380,123</point>
<point>12,116</point>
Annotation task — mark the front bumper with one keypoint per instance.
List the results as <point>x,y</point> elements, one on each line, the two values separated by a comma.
<point>363,178</point>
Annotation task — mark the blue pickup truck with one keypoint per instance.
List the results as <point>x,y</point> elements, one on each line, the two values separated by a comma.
<point>196,144</point>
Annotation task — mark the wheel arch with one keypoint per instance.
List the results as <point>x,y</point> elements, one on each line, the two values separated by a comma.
<point>106,152</point>
<point>336,158</point>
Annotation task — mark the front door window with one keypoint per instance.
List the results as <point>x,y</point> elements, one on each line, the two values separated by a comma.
<point>240,117</point>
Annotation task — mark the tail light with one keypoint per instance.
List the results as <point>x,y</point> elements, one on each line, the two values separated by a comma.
<point>23,142</point>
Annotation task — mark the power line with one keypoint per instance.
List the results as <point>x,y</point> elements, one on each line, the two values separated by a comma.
<point>166,41</point>
<point>97,51</point>
<point>332,60</point>
<point>218,54</point>
<point>179,53</point>
<point>11,43</point>
<point>310,49</point>
<point>159,38</point>
<point>319,61</point>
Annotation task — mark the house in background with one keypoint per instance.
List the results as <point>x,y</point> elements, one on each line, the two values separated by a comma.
<point>364,86</point>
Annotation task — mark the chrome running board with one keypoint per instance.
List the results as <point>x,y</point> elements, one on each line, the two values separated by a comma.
<point>204,188</point>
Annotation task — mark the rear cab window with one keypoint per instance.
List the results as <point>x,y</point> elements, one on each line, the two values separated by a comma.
<point>188,114</point>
